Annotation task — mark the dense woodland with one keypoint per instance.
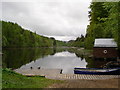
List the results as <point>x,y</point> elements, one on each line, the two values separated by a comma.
<point>14,35</point>
<point>104,22</point>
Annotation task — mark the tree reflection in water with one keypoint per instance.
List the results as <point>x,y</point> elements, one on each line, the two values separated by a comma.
<point>15,58</point>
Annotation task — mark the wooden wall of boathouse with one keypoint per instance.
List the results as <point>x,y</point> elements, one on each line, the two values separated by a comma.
<point>105,52</point>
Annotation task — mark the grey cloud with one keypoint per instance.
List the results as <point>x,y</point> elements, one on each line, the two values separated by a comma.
<point>57,18</point>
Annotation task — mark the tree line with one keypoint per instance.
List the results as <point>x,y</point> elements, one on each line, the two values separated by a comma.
<point>104,22</point>
<point>79,42</point>
<point>14,35</point>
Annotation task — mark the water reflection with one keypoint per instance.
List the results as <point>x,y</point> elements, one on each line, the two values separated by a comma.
<point>62,60</point>
<point>15,58</point>
<point>59,58</point>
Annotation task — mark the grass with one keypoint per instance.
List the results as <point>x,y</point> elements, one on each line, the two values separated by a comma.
<point>10,79</point>
<point>0,78</point>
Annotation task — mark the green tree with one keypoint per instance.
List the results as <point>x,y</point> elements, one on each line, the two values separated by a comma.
<point>104,20</point>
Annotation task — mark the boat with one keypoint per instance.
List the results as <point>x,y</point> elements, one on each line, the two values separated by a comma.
<point>97,71</point>
<point>112,64</point>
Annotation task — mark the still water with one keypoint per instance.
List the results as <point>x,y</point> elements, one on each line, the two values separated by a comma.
<point>48,58</point>
<point>62,60</point>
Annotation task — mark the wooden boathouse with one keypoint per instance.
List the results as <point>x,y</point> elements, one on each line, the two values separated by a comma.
<point>105,48</point>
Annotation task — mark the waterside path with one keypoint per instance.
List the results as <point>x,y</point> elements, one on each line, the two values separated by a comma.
<point>56,74</point>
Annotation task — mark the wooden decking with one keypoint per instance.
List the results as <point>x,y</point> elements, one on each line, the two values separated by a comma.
<point>56,74</point>
<point>38,72</point>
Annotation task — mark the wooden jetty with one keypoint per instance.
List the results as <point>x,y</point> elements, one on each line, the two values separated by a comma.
<point>38,72</point>
<point>56,74</point>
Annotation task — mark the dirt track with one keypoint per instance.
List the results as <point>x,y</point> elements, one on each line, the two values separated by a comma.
<point>112,83</point>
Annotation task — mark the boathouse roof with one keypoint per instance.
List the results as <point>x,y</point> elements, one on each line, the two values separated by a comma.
<point>105,42</point>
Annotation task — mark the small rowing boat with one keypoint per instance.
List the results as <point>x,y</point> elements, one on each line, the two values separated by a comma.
<point>97,71</point>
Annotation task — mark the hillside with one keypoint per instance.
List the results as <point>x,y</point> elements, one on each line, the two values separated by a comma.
<point>14,35</point>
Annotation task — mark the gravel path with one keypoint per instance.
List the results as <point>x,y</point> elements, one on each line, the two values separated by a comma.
<point>110,83</point>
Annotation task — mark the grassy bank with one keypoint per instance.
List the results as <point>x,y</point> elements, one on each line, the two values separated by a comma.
<point>11,79</point>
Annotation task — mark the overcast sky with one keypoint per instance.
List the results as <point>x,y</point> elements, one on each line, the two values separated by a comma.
<point>63,20</point>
